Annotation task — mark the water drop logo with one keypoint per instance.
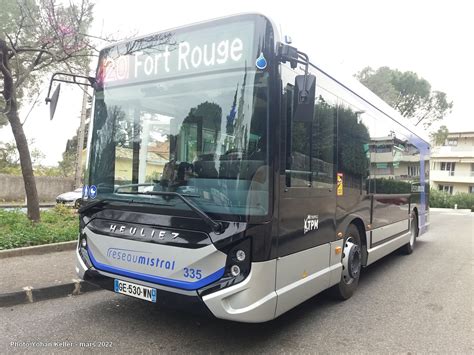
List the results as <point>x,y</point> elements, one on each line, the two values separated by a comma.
<point>261,62</point>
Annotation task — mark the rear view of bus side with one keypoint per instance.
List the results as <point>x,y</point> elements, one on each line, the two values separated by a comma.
<point>229,173</point>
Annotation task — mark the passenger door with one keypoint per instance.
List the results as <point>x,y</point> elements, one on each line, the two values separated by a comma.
<point>308,180</point>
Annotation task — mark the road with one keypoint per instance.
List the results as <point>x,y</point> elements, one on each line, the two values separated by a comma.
<point>417,303</point>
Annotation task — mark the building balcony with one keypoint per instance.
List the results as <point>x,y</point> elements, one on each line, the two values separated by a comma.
<point>461,153</point>
<point>452,176</point>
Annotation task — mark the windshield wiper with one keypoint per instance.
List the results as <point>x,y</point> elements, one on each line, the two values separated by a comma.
<point>216,226</point>
<point>106,201</point>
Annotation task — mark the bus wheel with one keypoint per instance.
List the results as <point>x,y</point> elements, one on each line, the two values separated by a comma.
<point>351,265</point>
<point>407,249</point>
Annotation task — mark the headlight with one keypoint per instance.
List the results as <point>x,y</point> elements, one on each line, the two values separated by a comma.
<point>240,255</point>
<point>237,267</point>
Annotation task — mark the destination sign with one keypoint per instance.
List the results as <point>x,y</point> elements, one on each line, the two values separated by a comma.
<point>176,53</point>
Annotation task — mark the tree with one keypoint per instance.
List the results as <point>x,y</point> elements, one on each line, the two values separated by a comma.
<point>8,156</point>
<point>407,93</point>
<point>10,160</point>
<point>38,36</point>
<point>440,136</point>
<point>67,166</point>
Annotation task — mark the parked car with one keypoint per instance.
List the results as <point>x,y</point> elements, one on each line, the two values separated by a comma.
<point>71,198</point>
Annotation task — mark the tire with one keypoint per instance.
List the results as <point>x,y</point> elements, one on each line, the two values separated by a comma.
<point>408,248</point>
<point>349,278</point>
<point>77,203</point>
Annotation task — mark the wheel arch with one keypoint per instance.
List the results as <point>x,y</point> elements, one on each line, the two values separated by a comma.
<point>415,210</point>
<point>359,223</point>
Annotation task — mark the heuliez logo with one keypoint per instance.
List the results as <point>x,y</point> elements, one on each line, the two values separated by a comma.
<point>311,223</point>
<point>143,232</point>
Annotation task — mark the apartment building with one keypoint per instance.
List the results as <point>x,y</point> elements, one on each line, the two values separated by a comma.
<point>452,164</point>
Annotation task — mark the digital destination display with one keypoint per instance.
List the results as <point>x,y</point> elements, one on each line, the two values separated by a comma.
<point>175,53</point>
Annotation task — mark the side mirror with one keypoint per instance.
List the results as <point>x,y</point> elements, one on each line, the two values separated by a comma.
<point>53,101</point>
<point>305,90</point>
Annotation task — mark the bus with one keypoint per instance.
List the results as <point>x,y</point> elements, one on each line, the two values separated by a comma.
<point>229,173</point>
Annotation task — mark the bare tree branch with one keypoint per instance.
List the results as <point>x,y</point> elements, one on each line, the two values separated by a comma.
<point>8,89</point>
<point>35,102</point>
<point>20,27</point>
<point>99,38</point>
<point>29,49</point>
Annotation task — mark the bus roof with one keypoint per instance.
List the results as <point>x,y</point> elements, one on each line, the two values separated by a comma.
<point>365,94</point>
<point>199,23</point>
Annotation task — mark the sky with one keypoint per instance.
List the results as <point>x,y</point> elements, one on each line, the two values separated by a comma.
<point>431,38</point>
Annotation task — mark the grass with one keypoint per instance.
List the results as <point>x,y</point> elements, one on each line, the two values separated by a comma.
<point>59,224</point>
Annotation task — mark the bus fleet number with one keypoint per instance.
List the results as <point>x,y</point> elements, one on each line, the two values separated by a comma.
<point>191,273</point>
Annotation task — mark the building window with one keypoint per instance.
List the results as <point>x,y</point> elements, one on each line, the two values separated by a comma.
<point>414,170</point>
<point>448,166</point>
<point>471,189</point>
<point>446,188</point>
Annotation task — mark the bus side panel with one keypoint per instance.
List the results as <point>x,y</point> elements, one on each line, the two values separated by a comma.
<point>294,286</point>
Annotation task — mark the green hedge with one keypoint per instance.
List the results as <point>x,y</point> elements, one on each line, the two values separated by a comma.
<point>442,199</point>
<point>59,224</point>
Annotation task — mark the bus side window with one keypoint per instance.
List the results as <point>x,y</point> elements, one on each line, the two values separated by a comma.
<point>323,140</point>
<point>310,145</point>
<point>298,165</point>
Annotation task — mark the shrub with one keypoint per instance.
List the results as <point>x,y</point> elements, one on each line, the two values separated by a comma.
<point>442,199</point>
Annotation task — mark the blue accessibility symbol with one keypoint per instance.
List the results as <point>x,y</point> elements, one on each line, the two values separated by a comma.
<point>85,192</point>
<point>93,192</point>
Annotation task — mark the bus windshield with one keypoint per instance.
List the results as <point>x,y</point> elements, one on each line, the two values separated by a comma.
<point>201,136</point>
<point>186,112</point>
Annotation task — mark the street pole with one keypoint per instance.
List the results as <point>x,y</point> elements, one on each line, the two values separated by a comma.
<point>80,141</point>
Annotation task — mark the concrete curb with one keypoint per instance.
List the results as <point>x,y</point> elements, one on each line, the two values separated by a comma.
<point>38,249</point>
<point>31,295</point>
<point>19,205</point>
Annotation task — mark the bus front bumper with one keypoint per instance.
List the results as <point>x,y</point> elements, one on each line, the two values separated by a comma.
<point>253,300</point>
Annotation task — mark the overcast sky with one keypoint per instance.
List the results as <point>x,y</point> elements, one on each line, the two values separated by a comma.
<point>431,38</point>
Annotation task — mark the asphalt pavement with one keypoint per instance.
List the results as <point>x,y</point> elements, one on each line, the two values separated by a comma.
<point>418,303</point>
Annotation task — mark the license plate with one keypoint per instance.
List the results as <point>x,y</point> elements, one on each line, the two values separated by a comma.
<point>134,290</point>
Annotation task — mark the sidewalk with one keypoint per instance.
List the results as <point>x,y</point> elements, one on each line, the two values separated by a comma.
<point>30,278</point>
